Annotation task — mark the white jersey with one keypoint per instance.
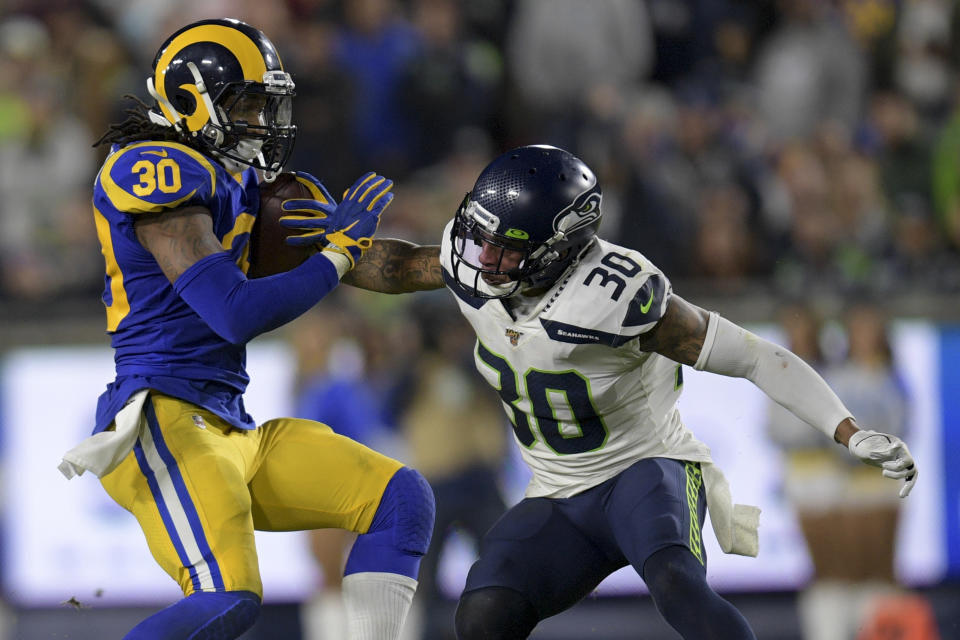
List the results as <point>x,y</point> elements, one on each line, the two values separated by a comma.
<point>585,402</point>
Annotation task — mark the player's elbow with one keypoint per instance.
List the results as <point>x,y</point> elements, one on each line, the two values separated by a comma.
<point>236,333</point>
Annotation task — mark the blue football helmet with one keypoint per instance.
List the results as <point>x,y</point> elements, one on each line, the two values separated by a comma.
<point>533,212</point>
<point>221,84</point>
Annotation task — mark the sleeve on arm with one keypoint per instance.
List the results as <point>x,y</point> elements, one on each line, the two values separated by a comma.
<point>648,304</point>
<point>238,309</point>
<point>731,350</point>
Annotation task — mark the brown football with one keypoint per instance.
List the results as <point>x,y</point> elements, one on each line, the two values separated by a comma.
<point>269,254</point>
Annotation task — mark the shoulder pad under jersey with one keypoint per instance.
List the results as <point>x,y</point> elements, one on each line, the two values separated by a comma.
<point>618,294</point>
<point>147,177</point>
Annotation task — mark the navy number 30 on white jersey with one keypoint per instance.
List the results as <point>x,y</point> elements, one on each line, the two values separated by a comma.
<point>585,402</point>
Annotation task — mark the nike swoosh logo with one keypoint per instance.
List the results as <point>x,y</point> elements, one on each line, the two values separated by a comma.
<point>162,154</point>
<point>646,307</point>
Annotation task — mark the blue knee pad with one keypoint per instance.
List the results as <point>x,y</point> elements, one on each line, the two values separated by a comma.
<point>401,529</point>
<point>201,616</point>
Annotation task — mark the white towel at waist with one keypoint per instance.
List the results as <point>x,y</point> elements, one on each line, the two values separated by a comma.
<point>735,525</point>
<point>102,452</point>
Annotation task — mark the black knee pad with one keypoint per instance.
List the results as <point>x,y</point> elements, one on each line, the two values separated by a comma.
<point>495,613</point>
<point>674,573</point>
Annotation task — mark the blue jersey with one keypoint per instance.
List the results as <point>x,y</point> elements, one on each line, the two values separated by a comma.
<point>159,341</point>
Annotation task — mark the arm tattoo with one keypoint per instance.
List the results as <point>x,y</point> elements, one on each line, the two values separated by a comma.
<point>680,333</point>
<point>397,266</point>
<point>177,239</point>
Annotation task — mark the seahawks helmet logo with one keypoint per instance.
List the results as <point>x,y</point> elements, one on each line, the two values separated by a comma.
<point>584,210</point>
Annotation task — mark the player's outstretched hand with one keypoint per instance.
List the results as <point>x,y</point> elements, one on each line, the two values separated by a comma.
<point>345,228</point>
<point>358,215</point>
<point>311,218</point>
<point>888,452</point>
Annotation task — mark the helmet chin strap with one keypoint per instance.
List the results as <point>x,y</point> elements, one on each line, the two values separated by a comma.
<point>526,287</point>
<point>213,129</point>
<point>268,175</point>
<point>204,94</point>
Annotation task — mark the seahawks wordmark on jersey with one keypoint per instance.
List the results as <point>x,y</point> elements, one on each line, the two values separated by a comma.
<point>585,402</point>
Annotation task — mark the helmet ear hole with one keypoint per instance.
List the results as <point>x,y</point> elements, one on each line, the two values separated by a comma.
<point>184,103</point>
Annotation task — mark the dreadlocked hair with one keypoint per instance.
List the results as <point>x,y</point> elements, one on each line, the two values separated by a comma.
<point>138,126</point>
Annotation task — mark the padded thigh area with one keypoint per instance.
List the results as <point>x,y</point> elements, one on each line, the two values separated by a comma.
<point>657,503</point>
<point>536,550</point>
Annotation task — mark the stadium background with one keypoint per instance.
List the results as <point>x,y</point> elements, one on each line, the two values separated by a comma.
<point>763,153</point>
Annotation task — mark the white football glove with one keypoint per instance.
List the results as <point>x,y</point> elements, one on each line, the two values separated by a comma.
<point>888,452</point>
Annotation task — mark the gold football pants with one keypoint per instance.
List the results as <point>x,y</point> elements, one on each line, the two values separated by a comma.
<point>199,487</point>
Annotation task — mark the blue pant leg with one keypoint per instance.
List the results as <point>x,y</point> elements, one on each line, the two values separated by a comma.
<point>656,509</point>
<point>201,616</point>
<point>657,503</point>
<point>538,551</point>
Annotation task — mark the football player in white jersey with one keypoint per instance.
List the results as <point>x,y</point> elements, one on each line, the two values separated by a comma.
<point>584,342</point>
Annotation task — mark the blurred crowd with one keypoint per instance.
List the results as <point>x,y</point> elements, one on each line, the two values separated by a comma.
<point>791,145</point>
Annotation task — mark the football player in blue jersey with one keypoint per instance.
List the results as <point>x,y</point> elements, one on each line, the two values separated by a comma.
<point>584,341</point>
<point>174,204</point>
